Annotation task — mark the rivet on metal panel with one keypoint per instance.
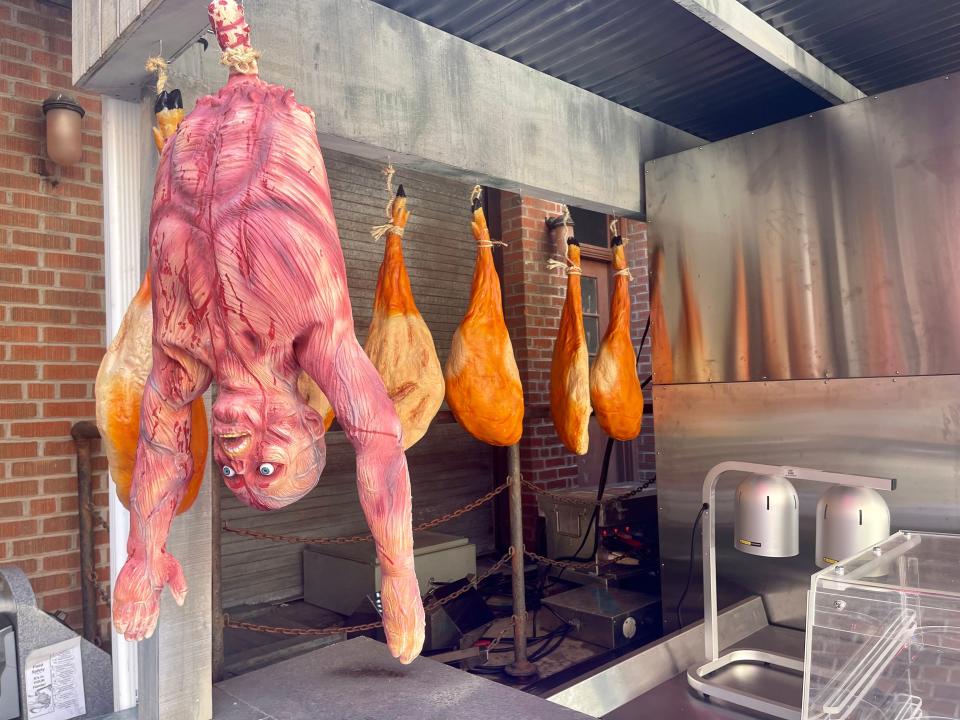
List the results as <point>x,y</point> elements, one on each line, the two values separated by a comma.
<point>839,604</point>
<point>878,551</point>
<point>839,569</point>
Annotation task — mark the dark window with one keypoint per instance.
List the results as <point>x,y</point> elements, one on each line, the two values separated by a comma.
<point>591,313</point>
<point>589,227</point>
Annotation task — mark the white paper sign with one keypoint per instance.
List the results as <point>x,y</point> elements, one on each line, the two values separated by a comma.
<point>54,679</point>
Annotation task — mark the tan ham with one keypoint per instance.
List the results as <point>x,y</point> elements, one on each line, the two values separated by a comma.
<point>483,382</point>
<point>614,386</point>
<point>570,368</point>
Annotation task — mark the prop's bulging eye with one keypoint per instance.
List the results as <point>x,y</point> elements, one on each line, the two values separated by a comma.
<point>266,469</point>
<point>228,471</point>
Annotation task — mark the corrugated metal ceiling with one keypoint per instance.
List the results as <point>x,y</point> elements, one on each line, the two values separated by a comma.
<point>650,55</point>
<point>656,58</point>
<point>877,45</point>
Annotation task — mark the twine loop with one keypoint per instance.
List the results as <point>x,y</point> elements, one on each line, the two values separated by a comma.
<point>388,227</point>
<point>565,265</point>
<point>625,272</point>
<point>241,59</point>
<point>158,66</point>
<point>615,227</point>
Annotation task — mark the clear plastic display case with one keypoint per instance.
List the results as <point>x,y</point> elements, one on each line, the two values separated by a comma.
<point>883,633</point>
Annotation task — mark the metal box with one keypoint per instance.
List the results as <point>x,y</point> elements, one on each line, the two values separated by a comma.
<point>609,617</point>
<point>339,577</point>
<point>567,523</point>
<point>883,633</point>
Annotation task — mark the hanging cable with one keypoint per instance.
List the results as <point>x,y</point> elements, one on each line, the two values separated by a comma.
<point>693,545</point>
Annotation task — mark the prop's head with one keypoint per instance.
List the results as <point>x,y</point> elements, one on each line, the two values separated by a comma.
<point>269,448</point>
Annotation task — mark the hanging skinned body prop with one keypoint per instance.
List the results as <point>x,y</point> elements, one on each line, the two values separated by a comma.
<point>249,288</point>
<point>570,367</point>
<point>483,382</point>
<point>126,364</point>
<point>615,391</point>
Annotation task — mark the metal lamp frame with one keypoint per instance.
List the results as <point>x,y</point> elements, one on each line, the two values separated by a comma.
<point>698,676</point>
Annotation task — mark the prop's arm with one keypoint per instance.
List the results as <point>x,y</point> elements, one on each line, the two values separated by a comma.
<point>160,478</point>
<point>338,364</point>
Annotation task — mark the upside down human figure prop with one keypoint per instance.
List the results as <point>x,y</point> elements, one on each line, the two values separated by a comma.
<point>249,288</point>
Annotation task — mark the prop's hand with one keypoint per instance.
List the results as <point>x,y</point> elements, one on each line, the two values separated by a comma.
<point>403,620</point>
<point>136,597</point>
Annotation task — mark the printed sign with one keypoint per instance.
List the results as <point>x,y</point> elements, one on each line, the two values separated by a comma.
<point>54,681</point>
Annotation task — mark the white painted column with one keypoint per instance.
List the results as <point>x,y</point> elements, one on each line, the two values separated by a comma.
<point>122,153</point>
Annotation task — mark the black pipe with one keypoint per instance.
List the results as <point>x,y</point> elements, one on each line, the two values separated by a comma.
<point>83,433</point>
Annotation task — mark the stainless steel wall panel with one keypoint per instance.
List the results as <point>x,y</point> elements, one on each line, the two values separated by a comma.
<point>907,428</point>
<point>826,246</point>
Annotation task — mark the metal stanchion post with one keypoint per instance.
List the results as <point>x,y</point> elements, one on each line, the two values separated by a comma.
<point>521,667</point>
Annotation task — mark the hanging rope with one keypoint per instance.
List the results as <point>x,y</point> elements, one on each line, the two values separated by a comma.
<point>388,227</point>
<point>241,59</point>
<point>615,227</point>
<point>158,66</point>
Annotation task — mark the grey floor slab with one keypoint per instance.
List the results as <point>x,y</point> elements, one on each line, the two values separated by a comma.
<point>359,680</point>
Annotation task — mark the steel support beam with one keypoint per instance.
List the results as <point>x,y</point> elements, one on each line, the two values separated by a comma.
<point>748,29</point>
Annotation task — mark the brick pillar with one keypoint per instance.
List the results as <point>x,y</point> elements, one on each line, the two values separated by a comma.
<point>51,310</point>
<point>533,300</point>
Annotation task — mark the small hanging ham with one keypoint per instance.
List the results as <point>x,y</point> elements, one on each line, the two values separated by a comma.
<point>570,368</point>
<point>483,382</point>
<point>118,391</point>
<point>399,342</point>
<point>614,386</point>
<point>127,362</point>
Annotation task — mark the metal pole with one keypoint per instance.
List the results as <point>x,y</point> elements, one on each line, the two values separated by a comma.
<point>83,433</point>
<point>521,667</point>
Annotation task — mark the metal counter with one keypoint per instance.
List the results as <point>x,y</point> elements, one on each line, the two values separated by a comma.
<point>652,682</point>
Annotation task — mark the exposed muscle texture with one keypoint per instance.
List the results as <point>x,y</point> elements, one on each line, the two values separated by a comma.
<point>119,389</point>
<point>399,342</point>
<point>127,362</point>
<point>250,289</point>
<point>615,391</point>
<point>570,367</point>
<point>483,382</point>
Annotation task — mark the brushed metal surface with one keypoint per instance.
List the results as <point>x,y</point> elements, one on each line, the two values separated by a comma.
<point>906,428</point>
<point>824,246</point>
<point>623,680</point>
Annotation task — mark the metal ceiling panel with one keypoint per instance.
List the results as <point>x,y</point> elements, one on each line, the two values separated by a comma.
<point>877,45</point>
<point>651,56</point>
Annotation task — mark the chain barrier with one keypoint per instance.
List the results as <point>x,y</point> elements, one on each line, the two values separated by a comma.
<point>593,566</point>
<point>336,630</point>
<point>348,539</point>
<point>566,499</point>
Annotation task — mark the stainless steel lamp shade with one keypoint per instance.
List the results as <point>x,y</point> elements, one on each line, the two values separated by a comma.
<point>849,520</point>
<point>767,519</point>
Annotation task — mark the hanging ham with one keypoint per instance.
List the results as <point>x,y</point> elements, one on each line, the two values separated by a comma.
<point>127,362</point>
<point>570,368</point>
<point>483,382</point>
<point>399,342</point>
<point>615,390</point>
<point>249,288</point>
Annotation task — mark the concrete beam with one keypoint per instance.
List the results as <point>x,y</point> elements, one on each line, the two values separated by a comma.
<point>385,86</point>
<point>737,22</point>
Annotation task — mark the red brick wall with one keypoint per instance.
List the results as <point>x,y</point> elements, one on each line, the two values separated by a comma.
<point>51,308</point>
<point>533,298</point>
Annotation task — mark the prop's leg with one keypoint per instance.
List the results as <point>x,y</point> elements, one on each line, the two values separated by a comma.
<point>338,364</point>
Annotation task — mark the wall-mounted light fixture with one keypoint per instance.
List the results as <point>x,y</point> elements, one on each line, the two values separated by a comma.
<point>63,114</point>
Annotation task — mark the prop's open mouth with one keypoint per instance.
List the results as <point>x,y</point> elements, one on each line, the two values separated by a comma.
<point>234,444</point>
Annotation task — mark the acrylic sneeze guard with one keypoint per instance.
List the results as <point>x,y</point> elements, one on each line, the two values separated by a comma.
<point>883,633</point>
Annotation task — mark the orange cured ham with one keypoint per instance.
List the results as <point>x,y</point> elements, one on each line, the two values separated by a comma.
<point>127,362</point>
<point>119,389</point>
<point>614,386</point>
<point>483,382</point>
<point>399,342</point>
<point>570,368</point>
